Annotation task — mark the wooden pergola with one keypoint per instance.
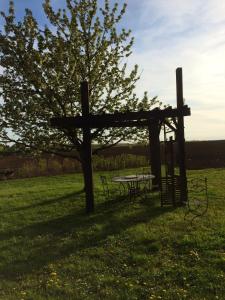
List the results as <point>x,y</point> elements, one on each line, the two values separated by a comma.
<point>152,119</point>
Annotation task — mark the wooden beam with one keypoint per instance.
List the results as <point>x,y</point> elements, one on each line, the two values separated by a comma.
<point>119,119</point>
<point>180,136</point>
<point>168,124</point>
<point>174,121</point>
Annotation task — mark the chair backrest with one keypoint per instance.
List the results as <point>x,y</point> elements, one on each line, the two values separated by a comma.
<point>198,196</point>
<point>103,180</point>
<point>104,185</point>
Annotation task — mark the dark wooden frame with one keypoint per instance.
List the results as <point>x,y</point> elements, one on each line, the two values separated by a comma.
<point>152,119</point>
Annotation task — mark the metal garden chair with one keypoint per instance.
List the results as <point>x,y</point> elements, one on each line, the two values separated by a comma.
<point>197,204</point>
<point>146,185</point>
<point>107,188</point>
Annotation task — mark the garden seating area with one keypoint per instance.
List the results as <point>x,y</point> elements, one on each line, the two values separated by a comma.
<point>131,186</point>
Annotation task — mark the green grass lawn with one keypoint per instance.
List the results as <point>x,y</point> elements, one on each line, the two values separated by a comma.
<point>50,249</point>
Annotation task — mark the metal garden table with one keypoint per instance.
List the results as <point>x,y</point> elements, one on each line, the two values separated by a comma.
<point>132,183</point>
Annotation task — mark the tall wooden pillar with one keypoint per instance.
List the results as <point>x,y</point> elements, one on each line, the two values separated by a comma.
<point>170,154</point>
<point>87,151</point>
<point>155,156</point>
<point>180,137</point>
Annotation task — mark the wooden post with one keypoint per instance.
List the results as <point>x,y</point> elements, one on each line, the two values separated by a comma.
<point>171,169</point>
<point>155,157</point>
<point>180,137</point>
<point>171,157</point>
<point>87,151</point>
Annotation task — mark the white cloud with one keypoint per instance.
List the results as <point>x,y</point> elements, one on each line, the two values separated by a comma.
<point>188,34</point>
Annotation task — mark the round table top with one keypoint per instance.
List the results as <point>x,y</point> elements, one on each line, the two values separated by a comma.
<point>132,178</point>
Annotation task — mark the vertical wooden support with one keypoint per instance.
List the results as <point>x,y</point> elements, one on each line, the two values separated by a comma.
<point>155,156</point>
<point>87,151</point>
<point>171,169</point>
<point>165,152</point>
<point>171,157</point>
<point>180,137</point>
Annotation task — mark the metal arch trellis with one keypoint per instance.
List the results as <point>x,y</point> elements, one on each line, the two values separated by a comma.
<point>152,119</point>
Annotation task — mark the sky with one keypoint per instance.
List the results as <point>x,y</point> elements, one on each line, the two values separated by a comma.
<point>170,34</point>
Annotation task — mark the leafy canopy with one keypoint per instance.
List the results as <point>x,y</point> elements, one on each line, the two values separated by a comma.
<point>43,68</point>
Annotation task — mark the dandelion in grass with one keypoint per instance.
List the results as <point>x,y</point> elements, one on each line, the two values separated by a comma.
<point>23,293</point>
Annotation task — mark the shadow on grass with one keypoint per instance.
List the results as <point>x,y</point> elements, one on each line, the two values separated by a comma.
<point>44,203</point>
<point>55,239</point>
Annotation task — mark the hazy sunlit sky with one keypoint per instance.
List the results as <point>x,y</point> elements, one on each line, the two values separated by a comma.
<point>170,34</point>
